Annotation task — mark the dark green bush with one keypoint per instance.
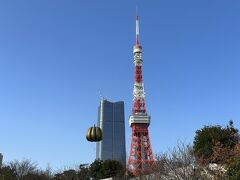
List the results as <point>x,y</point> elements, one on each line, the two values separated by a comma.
<point>233,171</point>
<point>209,136</point>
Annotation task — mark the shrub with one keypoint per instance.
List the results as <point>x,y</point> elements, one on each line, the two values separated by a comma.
<point>233,171</point>
<point>211,140</point>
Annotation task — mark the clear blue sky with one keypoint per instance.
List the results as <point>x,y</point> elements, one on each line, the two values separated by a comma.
<point>56,55</point>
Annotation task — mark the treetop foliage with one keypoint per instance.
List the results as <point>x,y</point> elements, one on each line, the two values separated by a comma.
<point>212,140</point>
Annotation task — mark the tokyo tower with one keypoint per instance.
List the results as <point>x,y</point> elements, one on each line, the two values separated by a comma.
<point>141,158</point>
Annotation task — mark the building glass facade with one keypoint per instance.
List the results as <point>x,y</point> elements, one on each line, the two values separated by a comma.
<point>1,159</point>
<point>111,121</point>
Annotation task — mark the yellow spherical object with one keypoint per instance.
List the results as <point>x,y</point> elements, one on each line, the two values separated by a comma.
<point>94,134</point>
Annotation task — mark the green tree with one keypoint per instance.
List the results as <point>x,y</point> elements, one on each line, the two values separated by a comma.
<point>7,173</point>
<point>112,168</point>
<point>36,176</point>
<point>69,174</point>
<point>83,173</point>
<point>211,136</point>
<point>57,176</point>
<point>233,171</point>
<point>95,169</point>
<point>103,169</point>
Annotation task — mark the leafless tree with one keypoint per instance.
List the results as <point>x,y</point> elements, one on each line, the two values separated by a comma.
<point>180,164</point>
<point>23,167</point>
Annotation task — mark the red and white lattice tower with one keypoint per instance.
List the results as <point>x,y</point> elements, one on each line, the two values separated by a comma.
<point>141,159</point>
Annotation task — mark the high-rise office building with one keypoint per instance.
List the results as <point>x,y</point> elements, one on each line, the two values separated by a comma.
<point>1,159</point>
<point>111,121</point>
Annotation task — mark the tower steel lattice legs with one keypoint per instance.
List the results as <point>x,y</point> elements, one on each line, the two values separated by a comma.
<point>141,159</point>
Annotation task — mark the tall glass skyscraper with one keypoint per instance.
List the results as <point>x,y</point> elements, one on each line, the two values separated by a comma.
<point>111,121</point>
<point>1,159</point>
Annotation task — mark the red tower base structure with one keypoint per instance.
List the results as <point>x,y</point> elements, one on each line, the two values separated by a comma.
<point>141,159</point>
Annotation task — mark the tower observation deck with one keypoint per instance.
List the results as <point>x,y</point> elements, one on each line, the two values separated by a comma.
<point>141,159</point>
